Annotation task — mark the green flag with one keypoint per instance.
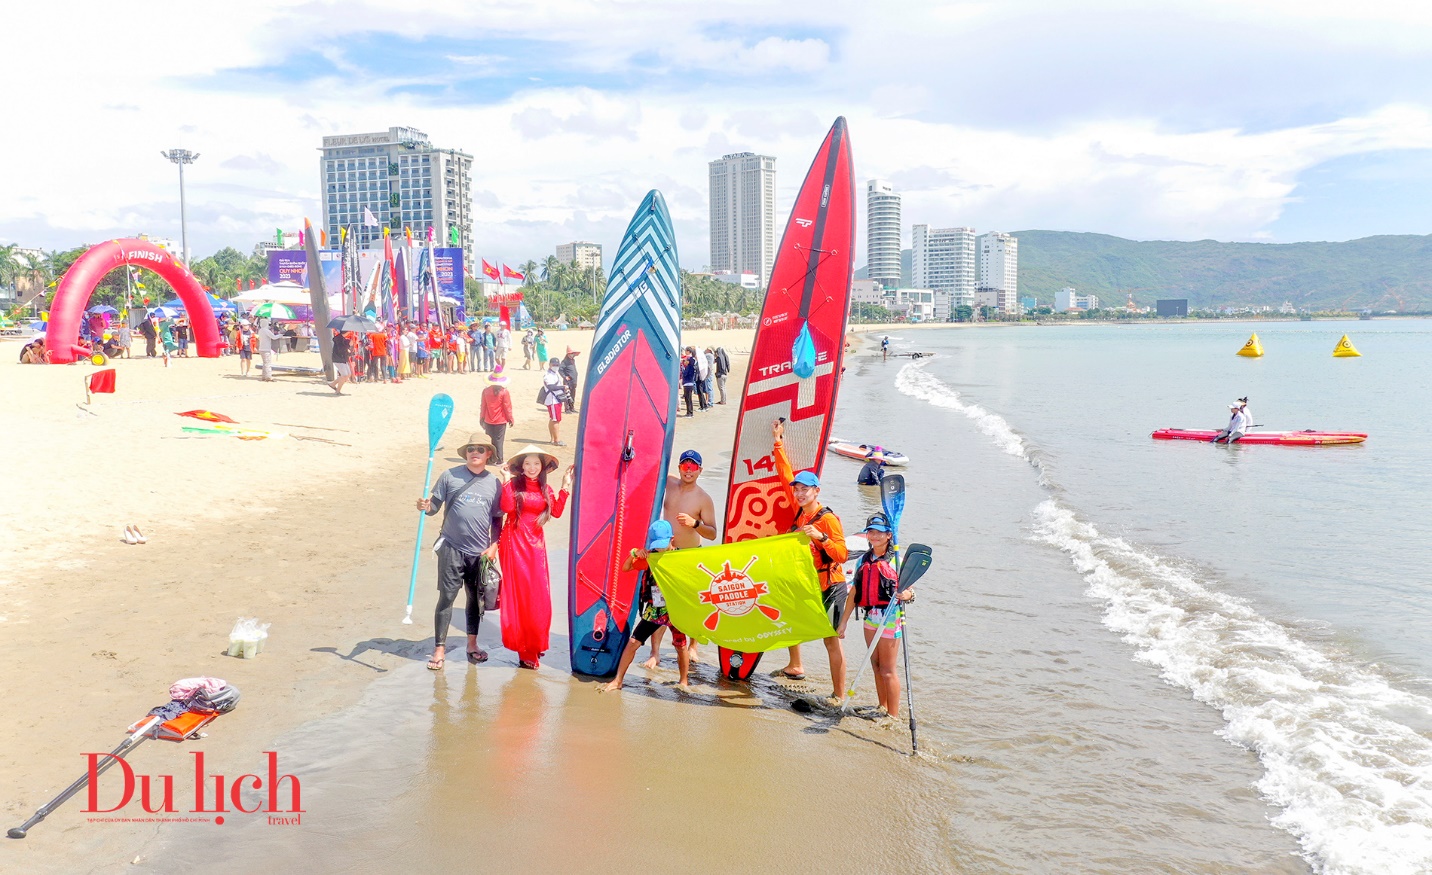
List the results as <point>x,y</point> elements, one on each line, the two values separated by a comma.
<point>452,236</point>
<point>751,596</point>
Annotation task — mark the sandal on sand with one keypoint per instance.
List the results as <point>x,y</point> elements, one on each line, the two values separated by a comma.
<point>477,656</point>
<point>436,664</point>
<point>782,673</point>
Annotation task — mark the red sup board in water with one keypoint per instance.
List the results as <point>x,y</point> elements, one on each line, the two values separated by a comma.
<point>796,358</point>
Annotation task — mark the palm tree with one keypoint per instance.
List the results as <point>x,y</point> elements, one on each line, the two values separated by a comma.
<point>529,272</point>
<point>10,265</point>
<point>551,265</point>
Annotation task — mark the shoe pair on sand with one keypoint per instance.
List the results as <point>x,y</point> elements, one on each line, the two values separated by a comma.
<point>132,535</point>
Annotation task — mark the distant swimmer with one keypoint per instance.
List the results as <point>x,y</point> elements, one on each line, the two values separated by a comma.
<point>1237,423</point>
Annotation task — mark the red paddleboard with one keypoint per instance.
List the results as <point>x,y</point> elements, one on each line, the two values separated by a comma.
<point>1280,438</point>
<point>810,289</point>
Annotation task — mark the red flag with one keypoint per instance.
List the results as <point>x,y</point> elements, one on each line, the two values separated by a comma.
<point>489,269</point>
<point>512,274</point>
<point>238,284</point>
<point>101,381</point>
<point>322,238</point>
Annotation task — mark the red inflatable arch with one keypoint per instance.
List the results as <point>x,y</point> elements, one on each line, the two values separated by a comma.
<point>63,333</point>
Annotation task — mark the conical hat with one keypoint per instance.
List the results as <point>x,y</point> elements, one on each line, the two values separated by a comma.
<point>514,462</point>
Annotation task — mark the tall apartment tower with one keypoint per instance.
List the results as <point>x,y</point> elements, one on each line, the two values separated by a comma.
<point>743,214</point>
<point>943,259</point>
<point>882,234</point>
<point>999,268</point>
<point>586,255</point>
<point>403,180</point>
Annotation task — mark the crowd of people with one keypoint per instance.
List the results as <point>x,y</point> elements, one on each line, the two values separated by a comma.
<point>703,372</point>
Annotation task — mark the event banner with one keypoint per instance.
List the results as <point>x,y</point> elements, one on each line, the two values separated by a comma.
<point>291,265</point>
<point>752,596</point>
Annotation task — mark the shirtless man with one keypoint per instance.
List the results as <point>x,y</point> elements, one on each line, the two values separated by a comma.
<point>692,515</point>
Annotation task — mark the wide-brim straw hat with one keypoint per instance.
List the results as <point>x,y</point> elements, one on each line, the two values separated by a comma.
<point>477,439</point>
<point>549,461</point>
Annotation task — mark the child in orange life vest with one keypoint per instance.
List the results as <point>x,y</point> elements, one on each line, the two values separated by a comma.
<point>828,552</point>
<point>873,589</point>
<point>653,612</point>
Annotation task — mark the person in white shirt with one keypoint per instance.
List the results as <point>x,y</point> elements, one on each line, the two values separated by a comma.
<point>703,373</point>
<point>266,338</point>
<point>1237,425</point>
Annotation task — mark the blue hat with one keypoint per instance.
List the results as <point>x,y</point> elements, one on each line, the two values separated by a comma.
<point>806,478</point>
<point>658,536</point>
<point>690,456</point>
<point>878,523</point>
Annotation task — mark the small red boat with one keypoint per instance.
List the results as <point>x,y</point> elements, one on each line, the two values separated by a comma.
<point>1283,438</point>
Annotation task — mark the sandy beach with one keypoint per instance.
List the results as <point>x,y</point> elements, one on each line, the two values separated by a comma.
<point>313,536</point>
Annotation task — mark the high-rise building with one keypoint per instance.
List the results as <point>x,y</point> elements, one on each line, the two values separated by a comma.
<point>882,233</point>
<point>743,214</point>
<point>403,180</point>
<point>943,259</point>
<point>999,268</point>
<point>587,255</point>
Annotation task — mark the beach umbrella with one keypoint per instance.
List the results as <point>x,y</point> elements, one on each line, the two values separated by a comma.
<point>353,322</point>
<point>165,312</point>
<point>273,311</point>
<point>102,308</point>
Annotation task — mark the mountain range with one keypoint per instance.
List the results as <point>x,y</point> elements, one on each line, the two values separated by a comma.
<point>1391,272</point>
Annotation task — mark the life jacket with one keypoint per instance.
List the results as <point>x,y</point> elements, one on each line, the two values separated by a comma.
<point>875,581</point>
<point>823,571</point>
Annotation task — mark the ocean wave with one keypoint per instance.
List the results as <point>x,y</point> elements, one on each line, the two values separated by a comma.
<point>1354,784</point>
<point>915,381</point>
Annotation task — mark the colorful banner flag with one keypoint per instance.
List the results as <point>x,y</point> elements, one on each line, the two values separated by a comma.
<point>752,596</point>
<point>490,270</point>
<point>512,274</point>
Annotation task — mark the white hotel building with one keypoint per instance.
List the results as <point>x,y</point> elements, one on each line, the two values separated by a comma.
<point>999,269</point>
<point>943,259</point>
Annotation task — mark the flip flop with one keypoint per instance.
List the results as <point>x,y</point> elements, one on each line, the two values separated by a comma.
<point>476,656</point>
<point>782,673</point>
<point>436,664</point>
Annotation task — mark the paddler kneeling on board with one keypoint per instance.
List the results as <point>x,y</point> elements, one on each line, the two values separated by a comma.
<point>1237,423</point>
<point>827,547</point>
<point>653,609</point>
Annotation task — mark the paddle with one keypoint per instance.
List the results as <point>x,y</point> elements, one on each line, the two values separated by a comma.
<point>912,567</point>
<point>439,414</point>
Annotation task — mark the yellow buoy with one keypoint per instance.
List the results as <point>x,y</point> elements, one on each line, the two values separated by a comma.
<point>1345,349</point>
<point>1252,349</point>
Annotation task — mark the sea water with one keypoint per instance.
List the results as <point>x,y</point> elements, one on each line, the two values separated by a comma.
<point>1285,590</point>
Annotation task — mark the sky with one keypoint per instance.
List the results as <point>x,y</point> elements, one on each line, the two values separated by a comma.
<point>1275,121</point>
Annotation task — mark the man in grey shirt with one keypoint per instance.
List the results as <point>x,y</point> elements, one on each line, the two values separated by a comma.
<point>470,530</point>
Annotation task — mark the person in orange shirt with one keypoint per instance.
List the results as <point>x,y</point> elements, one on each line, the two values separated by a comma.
<point>828,551</point>
<point>378,357</point>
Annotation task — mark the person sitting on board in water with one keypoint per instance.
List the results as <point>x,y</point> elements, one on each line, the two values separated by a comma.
<point>470,531</point>
<point>692,515</point>
<point>828,552</point>
<point>1237,425</point>
<point>873,585</point>
<point>653,610</point>
<point>874,470</point>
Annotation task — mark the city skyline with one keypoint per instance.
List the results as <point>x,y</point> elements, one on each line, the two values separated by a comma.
<point>1322,131</point>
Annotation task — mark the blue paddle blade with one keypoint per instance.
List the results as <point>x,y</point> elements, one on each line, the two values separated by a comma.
<point>803,354</point>
<point>439,414</point>
<point>892,497</point>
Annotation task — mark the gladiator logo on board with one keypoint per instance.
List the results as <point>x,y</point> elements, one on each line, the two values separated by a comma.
<point>622,340</point>
<point>734,593</point>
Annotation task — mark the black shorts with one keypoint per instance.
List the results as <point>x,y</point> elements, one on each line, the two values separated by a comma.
<point>835,600</point>
<point>456,570</point>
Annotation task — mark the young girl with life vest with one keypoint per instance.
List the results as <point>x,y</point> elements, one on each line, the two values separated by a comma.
<point>874,587</point>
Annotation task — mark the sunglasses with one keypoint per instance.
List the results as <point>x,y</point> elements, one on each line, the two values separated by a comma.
<point>689,466</point>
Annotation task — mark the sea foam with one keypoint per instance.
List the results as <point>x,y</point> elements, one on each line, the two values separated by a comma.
<point>1354,782</point>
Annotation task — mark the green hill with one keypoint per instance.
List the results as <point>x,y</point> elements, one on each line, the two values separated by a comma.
<point>1379,273</point>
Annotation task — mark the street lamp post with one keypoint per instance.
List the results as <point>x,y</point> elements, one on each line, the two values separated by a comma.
<point>182,157</point>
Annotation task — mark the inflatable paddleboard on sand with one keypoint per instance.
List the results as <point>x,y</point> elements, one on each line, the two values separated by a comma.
<point>809,289</point>
<point>624,436</point>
